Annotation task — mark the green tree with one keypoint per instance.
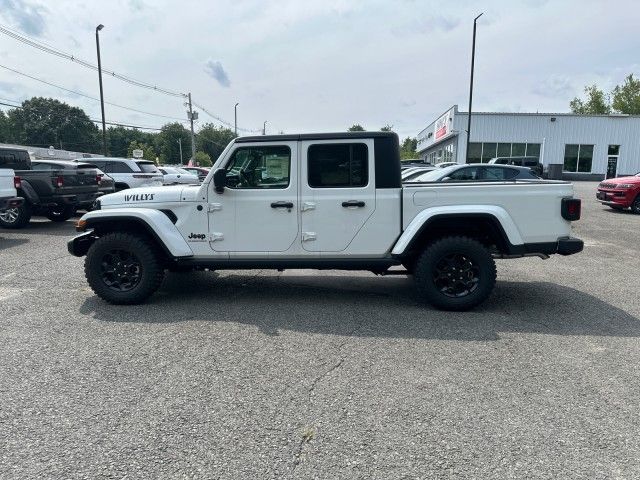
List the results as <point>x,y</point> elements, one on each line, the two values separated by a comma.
<point>356,127</point>
<point>119,139</point>
<point>596,102</point>
<point>148,152</point>
<point>408,148</point>
<point>626,97</point>
<point>5,128</point>
<point>45,121</point>
<point>168,145</point>
<point>213,140</point>
<point>203,159</point>
<point>387,128</point>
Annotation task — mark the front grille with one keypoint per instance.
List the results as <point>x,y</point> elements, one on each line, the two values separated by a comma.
<point>608,185</point>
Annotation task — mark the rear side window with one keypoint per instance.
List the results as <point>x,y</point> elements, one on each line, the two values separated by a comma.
<point>338,165</point>
<point>42,166</point>
<point>530,163</point>
<point>15,159</point>
<point>498,174</point>
<point>147,167</point>
<point>118,167</point>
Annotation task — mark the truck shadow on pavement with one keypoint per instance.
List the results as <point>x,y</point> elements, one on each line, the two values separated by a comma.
<point>368,307</point>
<point>10,242</point>
<point>43,226</point>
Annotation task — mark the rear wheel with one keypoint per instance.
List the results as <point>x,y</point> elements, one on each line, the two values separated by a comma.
<point>455,273</point>
<point>17,217</point>
<point>60,213</point>
<point>635,206</point>
<point>123,268</point>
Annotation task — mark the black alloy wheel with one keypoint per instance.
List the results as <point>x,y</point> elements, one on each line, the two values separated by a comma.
<point>121,270</point>
<point>456,275</point>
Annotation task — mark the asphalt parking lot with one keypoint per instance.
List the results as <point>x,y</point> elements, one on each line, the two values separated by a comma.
<point>323,375</point>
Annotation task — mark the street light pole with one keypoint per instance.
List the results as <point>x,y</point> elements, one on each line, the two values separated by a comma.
<point>264,128</point>
<point>180,143</point>
<point>473,58</point>
<point>104,123</point>
<point>235,119</point>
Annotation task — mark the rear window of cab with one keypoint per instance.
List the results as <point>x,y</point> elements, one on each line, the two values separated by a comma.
<point>147,167</point>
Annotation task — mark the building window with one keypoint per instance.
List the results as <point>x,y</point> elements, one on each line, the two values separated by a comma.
<point>614,150</point>
<point>578,158</point>
<point>474,155</point>
<point>483,152</point>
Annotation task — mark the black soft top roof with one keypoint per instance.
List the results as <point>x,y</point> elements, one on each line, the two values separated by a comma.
<point>315,136</point>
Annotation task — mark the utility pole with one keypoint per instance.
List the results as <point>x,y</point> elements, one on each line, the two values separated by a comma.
<point>473,58</point>
<point>104,124</point>
<point>235,119</point>
<point>192,117</point>
<point>180,143</point>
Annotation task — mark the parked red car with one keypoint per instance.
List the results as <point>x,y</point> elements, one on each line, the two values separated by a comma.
<point>620,193</point>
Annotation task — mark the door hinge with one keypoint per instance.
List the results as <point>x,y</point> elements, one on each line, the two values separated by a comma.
<point>215,206</point>
<point>308,236</point>
<point>307,206</point>
<point>213,236</point>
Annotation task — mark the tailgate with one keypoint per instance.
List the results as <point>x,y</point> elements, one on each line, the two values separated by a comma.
<point>81,180</point>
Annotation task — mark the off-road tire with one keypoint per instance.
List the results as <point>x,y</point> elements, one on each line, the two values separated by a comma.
<point>20,221</point>
<point>635,206</point>
<point>151,271</point>
<point>60,213</point>
<point>482,273</point>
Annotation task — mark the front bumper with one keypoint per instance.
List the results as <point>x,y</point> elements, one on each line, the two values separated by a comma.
<point>10,202</point>
<point>79,245</point>
<point>613,198</point>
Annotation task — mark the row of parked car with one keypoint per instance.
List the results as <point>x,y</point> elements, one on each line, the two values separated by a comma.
<point>57,188</point>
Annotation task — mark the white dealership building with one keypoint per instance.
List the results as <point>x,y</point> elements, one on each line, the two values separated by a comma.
<point>569,146</point>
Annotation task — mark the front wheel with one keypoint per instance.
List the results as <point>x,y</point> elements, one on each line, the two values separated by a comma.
<point>17,217</point>
<point>635,206</point>
<point>455,273</point>
<point>123,268</point>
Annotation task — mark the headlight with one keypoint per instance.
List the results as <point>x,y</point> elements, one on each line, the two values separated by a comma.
<point>624,185</point>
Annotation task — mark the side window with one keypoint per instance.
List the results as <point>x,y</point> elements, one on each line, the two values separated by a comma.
<point>465,174</point>
<point>266,166</point>
<point>499,174</point>
<point>41,166</point>
<point>338,165</point>
<point>119,167</point>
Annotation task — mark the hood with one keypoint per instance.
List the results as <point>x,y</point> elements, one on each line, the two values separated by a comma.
<point>632,179</point>
<point>136,197</point>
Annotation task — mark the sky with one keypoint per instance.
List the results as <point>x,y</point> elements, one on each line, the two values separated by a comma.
<point>316,66</point>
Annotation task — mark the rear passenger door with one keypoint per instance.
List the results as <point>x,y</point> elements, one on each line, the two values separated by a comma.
<point>337,192</point>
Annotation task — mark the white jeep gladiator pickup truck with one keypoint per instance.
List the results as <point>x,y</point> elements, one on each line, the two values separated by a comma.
<point>9,184</point>
<point>323,201</point>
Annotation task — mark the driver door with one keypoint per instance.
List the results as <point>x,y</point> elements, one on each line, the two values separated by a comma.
<point>258,211</point>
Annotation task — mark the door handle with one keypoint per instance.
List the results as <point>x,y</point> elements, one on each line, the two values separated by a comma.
<point>353,203</point>
<point>288,205</point>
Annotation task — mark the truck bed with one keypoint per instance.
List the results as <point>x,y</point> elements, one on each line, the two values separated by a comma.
<point>533,208</point>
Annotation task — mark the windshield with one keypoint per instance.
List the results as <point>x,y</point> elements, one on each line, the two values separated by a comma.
<point>183,171</point>
<point>147,167</point>
<point>435,175</point>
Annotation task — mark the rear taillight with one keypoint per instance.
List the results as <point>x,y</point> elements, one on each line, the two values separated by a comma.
<point>17,182</point>
<point>98,179</point>
<point>571,208</point>
<point>59,181</point>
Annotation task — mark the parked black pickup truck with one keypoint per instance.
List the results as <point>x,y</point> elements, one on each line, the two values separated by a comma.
<point>54,189</point>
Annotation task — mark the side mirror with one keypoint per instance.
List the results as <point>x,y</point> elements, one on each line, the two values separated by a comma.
<point>220,180</point>
<point>446,179</point>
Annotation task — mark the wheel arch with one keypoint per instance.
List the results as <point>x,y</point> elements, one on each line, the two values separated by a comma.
<point>493,227</point>
<point>152,223</point>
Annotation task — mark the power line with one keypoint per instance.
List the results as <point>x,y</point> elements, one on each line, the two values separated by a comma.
<point>224,122</point>
<point>59,53</point>
<point>118,124</point>
<point>89,96</point>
